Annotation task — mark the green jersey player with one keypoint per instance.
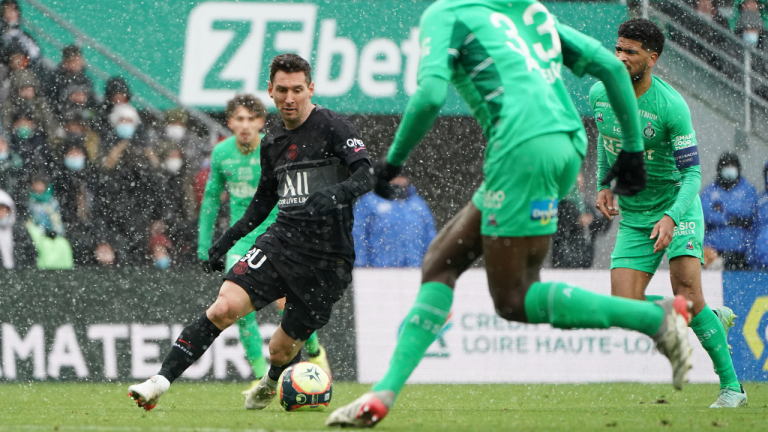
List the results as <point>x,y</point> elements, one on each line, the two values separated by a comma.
<point>667,216</point>
<point>505,59</point>
<point>236,168</point>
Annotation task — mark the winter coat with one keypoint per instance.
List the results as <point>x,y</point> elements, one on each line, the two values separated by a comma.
<point>729,215</point>
<point>41,112</point>
<point>6,233</point>
<point>392,233</point>
<point>759,255</point>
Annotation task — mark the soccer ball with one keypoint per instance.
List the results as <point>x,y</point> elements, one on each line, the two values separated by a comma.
<point>304,386</point>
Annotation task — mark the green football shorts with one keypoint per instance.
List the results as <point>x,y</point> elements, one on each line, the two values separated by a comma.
<point>523,186</point>
<point>634,247</point>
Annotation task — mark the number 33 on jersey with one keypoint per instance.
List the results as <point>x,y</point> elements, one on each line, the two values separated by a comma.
<point>505,59</point>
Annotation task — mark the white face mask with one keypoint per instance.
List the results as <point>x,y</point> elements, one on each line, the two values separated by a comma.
<point>730,173</point>
<point>175,132</point>
<point>173,165</point>
<point>751,37</point>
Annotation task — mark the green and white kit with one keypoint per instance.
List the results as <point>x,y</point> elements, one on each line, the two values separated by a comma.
<point>674,177</point>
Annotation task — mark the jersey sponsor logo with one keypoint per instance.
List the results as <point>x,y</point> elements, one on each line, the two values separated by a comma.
<point>687,157</point>
<point>684,228</point>
<point>544,210</point>
<point>356,144</point>
<point>684,141</point>
<point>493,199</point>
<point>241,189</point>
<point>599,117</point>
<point>648,115</point>
<point>293,152</point>
<point>603,104</point>
<point>648,131</point>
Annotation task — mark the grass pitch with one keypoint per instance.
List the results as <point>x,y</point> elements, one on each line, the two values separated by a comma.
<point>219,407</point>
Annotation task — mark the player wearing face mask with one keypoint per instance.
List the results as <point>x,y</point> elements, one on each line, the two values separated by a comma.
<point>730,207</point>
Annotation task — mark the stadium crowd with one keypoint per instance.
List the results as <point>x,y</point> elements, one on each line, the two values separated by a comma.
<point>86,181</point>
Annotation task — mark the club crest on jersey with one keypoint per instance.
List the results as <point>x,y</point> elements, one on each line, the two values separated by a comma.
<point>599,117</point>
<point>544,210</point>
<point>648,131</point>
<point>492,220</point>
<point>689,246</point>
<point>293,152</point>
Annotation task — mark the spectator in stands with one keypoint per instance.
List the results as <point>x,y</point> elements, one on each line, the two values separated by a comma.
<point>128,188</point>
<point>69,84</point>
<point>177,202</point>
<point>73,183</point>
<point>7,220</point>
<point>753,8</point>
<point>160,246</point>
<point>10,29</point>
<point>759,255</point>
<point>730,207</point>
<point>10,169</point>
<point>750,27</point>
<point>26,94</point>
<point>573,245</point>
<point>709,9</point>
<point>76,128</point>
<point>29,142</point>
<point>376,219</point>
<point>44,208</point>
<point>176,131</point>
<point>116,92</point>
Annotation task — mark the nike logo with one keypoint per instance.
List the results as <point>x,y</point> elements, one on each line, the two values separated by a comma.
<point>186,343</point>
<point>358,149</point>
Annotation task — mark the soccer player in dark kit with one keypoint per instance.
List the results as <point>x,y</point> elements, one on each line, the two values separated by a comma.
<point>313,165</point>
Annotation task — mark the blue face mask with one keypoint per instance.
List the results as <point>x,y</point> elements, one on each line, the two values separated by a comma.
<point>75,163</point>
<point>163,263</point>
<point>3,156</point>
<point>125,130</point>
<point>751,38</point>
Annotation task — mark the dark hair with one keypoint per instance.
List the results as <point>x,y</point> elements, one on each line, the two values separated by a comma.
<point>249,102</point>
<point>644,31</point>
<point>116,85</point>
<point>69,52</point>
<point>290,63</point>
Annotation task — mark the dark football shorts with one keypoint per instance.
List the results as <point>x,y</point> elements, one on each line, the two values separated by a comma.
<point>309,292</point>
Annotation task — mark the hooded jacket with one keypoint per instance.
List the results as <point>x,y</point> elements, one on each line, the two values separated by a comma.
<point>759,256</point>
<point>392,233</point>
<point>41,112</point>
<point>6,232</point>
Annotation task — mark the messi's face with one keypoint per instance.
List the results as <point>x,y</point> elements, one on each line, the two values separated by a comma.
<point>637,60</point>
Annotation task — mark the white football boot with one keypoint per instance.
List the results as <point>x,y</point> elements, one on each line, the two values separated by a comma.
<point>148,393</point>
<point>672,338</point>
<point>261,396</point>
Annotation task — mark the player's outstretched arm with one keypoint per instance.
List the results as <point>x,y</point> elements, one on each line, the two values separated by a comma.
<point>420,114</point>
<point>583,54</point>
<point>258,210</point>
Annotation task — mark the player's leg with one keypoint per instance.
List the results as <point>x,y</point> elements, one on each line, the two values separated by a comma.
<point>310,294</point>
<point>685,274</point>
<point>315,352</point>
<point>451,252</point>
<point>232,303</point>
<point>248,329</point>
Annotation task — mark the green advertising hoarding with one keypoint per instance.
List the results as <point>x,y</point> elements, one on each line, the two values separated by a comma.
<point>364,53</point>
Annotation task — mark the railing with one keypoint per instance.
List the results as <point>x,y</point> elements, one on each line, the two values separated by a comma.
<point>740,60</point>
<point>83,39</point>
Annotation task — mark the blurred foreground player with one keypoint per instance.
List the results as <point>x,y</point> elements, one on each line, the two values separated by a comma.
<point>313,165</point>
<point>505,58</point>
<point>236,168</point>
<point>666,217</point>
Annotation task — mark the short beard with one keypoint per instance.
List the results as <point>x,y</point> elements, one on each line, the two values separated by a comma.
<point>639,76</point>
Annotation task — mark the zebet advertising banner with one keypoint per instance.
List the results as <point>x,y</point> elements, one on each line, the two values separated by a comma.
<point>478,346</point>
<point>365,54</point>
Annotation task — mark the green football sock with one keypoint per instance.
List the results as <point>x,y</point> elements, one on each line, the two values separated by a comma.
<point>654,298</point>
<point>711,334</point>
<point>564,306</point>
<point>420,328</point>
<point>250,337</point>
<point>312,345</point>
